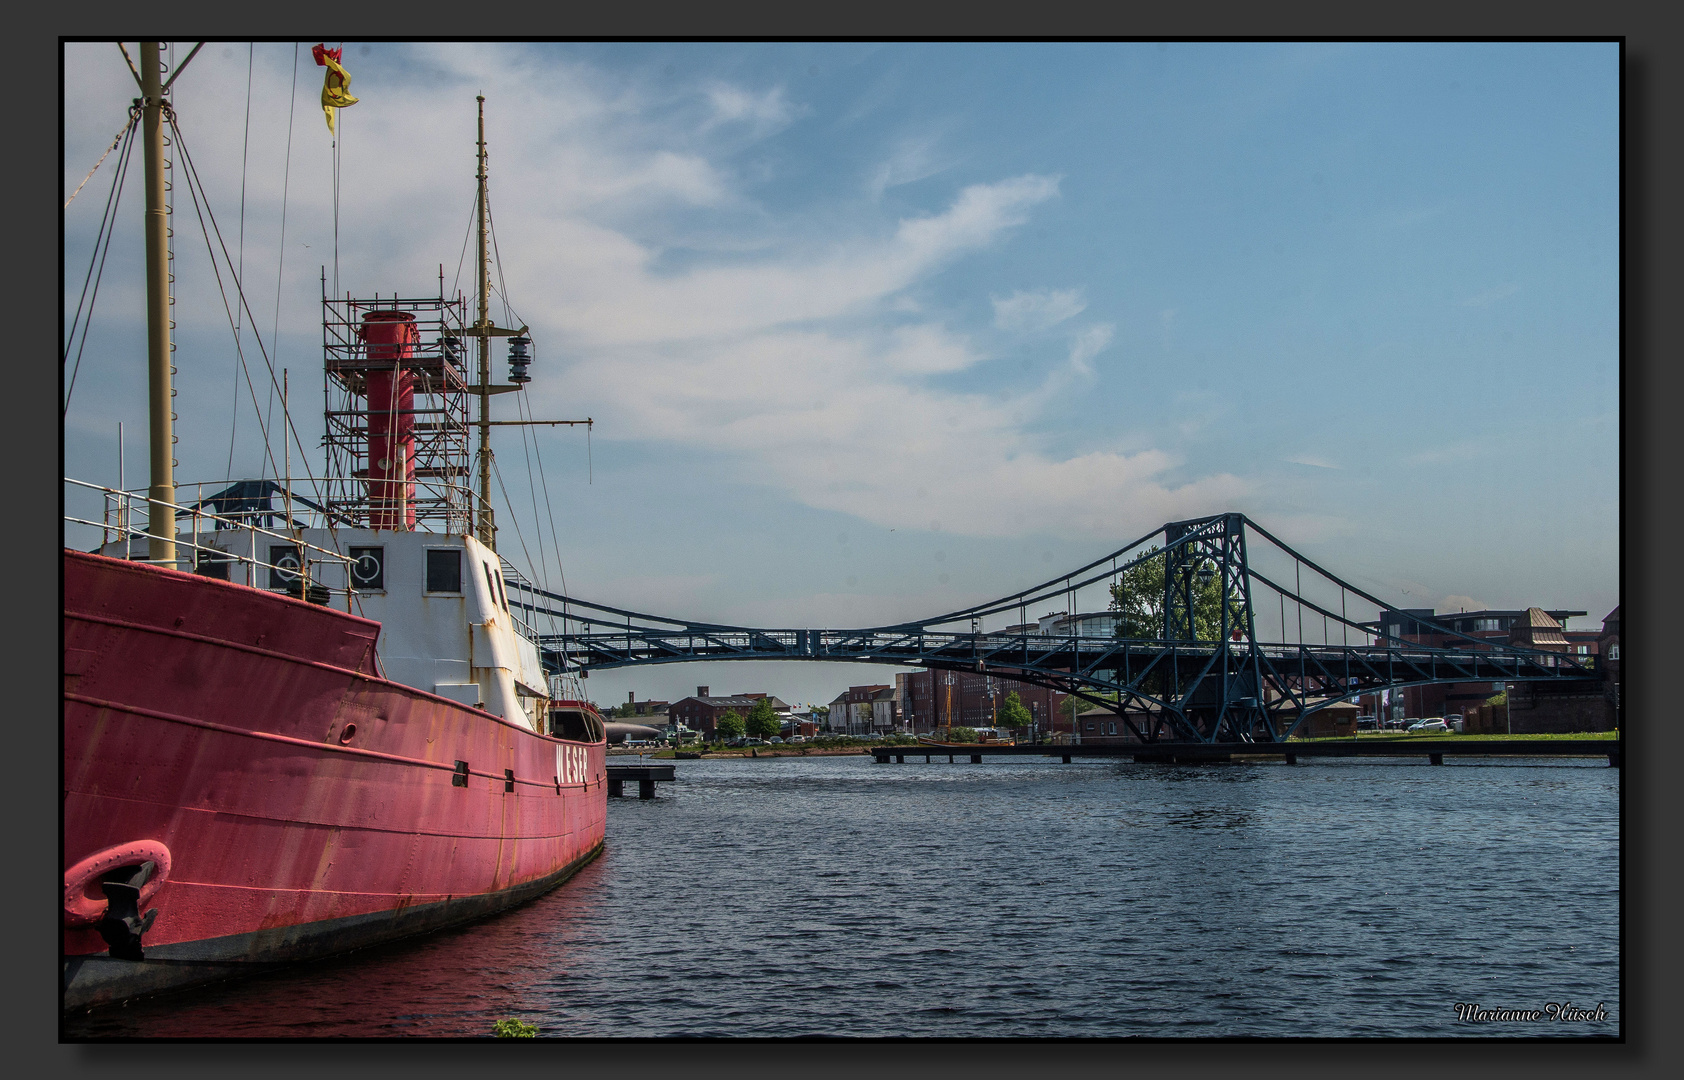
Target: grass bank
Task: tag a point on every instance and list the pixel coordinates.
(1401, 736)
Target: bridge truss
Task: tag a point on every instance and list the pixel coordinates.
(1187, 656)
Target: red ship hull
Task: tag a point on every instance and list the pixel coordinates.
(304, 805)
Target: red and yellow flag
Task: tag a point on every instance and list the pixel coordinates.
(334, 94)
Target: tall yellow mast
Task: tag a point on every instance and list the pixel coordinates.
(485, 330)
(160, 515)
(487, 525)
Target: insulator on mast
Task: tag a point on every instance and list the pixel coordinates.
(518, 360)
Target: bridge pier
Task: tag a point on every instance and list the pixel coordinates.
(976, 759)
(1067, 759)
(1292, 759)
(1436, 759)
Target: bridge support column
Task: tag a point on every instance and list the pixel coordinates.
(1067, 759)
(976, 759)
(616, 788)
(1292, 759)
(1436, 759)
(646, 789)
(900, 759)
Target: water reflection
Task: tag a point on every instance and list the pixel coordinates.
(836, 896)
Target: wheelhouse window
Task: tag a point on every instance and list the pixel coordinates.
(211, 564)
(368, 569)
(444, 570)
(284, 563)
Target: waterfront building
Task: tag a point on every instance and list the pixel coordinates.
(865, 710)
(1423, 626)
(937, 698)
(701, 711)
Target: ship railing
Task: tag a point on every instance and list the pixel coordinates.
(522, 586)
(286, 563)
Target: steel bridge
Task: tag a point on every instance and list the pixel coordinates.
(1186, 651)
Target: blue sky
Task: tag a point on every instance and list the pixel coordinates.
(874, 331)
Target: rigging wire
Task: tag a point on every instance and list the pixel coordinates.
(468, 234)
(106, 231)
(97, 164)
(194, 180)
(245, 158)
(280, 267)
(510, 506)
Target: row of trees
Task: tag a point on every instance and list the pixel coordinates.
(761, 722)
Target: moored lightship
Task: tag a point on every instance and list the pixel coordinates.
(294, 730)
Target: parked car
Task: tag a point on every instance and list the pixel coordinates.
(1434, 724)
(1410, 723)
(775, 739)
(796, 738)
(1367, 723)
(754, 742)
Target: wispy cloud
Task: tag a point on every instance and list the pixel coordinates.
(801, 352)
(1036, 310)
(766, 111)
(913, 159)
(1089, 344)
(1311, 460)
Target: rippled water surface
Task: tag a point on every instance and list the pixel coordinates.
(836, 896)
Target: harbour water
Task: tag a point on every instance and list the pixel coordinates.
(1021, 898)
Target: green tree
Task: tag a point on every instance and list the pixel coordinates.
(762, 720)
(1138, 598)
(730, 726)
(1014, 714)
(961, 735)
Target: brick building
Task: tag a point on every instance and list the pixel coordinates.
(938, 698)
(702, 711)
(1422, 626)
(865, 710)
(646, 708)
(1579, 705)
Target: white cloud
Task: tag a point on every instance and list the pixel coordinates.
(765, 112)
(804, 350)
(1089, 344)
(1036, 310)
(913, 160)
(1311, 460)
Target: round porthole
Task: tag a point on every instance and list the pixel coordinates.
(348, 734)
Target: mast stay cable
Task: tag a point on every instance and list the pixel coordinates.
(245, 157)
(106, 231)
(280, 266)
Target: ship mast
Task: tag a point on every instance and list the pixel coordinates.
(160, 515)
(486, 524)
(484, 329)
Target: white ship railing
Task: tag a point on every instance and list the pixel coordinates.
(123, 532)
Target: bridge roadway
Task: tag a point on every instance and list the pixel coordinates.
(1434, 750)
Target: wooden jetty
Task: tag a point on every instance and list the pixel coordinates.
(645, 775)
